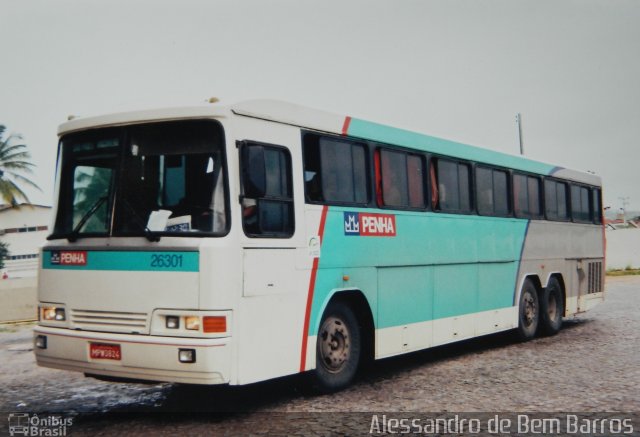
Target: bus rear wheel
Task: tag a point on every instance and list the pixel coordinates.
(338, 349)
(551, 308)
(528, 311)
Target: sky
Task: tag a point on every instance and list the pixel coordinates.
(456, 69)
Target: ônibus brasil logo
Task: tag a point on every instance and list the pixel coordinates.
(27, 424)
(69, 257)
(369, 224)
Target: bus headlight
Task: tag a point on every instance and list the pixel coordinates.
(172, 322)
(52, 313)
(189, 323)
(192, 323)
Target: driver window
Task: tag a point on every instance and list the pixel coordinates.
(271, 215)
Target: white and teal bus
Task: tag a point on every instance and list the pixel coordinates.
(230, 245)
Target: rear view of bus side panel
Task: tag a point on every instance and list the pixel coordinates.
(573, 253)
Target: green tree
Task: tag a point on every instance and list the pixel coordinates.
(4, 252)
(15, 166)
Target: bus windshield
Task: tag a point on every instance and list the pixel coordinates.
(148, 180)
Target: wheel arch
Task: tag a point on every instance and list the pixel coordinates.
(536, 283)
(356, 300)
(563, 287)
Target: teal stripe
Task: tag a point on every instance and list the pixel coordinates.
(437, 266)
(130, 261)
(385, 134)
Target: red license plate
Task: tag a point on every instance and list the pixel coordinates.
(101, 351)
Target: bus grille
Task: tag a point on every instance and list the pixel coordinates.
(110, 321)
(595, 277)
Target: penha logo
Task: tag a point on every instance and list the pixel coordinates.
(69, 258)
(369, 224)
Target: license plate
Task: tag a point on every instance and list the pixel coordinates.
(101, 351)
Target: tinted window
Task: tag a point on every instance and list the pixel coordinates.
(277, 173)
(597, 206)
(492, 191)
(415, 174)
(580, 204)
(555, 200)
(402, 179)
(272, 214)
(526, 193)
(335, 171)
(174, 167)
(165, 178)
(453, 186)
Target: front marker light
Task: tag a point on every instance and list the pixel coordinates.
(41, 341)
(60, 315)
(53, 313)
(187, 355)
(192, 323)
(172, 322)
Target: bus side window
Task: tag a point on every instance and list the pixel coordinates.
(454, 194)
(267, 201)
(402, 179)
(335, 171)
(526, 196)
(597, 206)
(492, 191)
(556, 200)
(434, 186)
(581, 204)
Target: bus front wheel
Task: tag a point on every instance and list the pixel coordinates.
(528, 312)
(338, 349)
(551, 308)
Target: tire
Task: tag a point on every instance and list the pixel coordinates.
(528, 311)
(338, 349)
(551, 308)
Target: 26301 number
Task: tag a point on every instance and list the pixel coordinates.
(166, 261)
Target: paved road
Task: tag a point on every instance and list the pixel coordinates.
(592, 365)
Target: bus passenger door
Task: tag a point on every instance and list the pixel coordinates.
(271, 291)
(267, 218)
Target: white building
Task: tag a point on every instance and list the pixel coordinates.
(25, 229)
(623, 248)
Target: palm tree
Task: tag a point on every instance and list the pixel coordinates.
(91, 184)
(4, 252)
(14, 166)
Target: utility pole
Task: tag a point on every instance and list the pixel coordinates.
(519, 123)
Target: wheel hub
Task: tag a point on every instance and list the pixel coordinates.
(335, 343)
(529, 309)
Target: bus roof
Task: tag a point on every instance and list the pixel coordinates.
(300, 116)
(149, 115)
(288, 113)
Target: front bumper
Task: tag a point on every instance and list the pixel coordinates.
(145, 357)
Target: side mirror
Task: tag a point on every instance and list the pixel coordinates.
(254, 179)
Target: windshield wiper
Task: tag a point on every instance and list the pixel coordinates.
(73, 236)
(148, 233)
